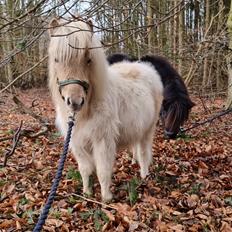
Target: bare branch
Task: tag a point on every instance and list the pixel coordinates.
(9, 153)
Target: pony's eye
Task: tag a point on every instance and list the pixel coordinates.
(56, 60)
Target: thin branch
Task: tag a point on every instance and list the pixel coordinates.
(6, 138)
(110, 207)
(94, 201)
(197, 124)
(23, 15)
(25, 110)
(28, 133)
(9, 153)
(21, 75)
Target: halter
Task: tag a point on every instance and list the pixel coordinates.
(169, 133)
(83, 84)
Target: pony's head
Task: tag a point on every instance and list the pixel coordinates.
(70, 61)
(175, 109)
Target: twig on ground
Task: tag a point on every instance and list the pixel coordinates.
(45, 126)
(197, 124)
(6, 138)
(25, 110)
(33, 103)
(94, 201)
(109, 206)
(28, 133)
(15, 142)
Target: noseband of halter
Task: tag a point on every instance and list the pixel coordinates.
(169, 133)
(83, 84)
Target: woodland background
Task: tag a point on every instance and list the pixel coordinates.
(189, 188)
(192, 34)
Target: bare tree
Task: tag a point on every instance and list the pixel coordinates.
(229, 59)
(190, 33)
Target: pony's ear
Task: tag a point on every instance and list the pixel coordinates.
(53, 26)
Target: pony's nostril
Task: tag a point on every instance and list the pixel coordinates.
(82, 101)
(75, 105)
(68, 101)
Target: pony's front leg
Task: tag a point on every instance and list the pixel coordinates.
(86, 167)
(136, 150)
(104, 155)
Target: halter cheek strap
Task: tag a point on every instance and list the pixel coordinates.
(84, 84)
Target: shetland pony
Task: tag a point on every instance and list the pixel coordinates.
(116, 106)
(176, 104)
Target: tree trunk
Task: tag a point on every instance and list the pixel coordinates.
(219, 59)
(205, 67)
(175, 26)
(196, 19)
(180, 41)
(150, 21)
(229, 60)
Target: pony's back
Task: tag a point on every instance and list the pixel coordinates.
(164, 68)
(119, 57)
(172, 81)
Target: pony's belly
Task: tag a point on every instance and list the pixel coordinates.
(130, 136)
(136, 122)
(124, 143)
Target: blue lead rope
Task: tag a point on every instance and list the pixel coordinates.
(44, 214)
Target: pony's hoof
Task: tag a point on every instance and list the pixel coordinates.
(144, 174)
(87, 193)
(107, 198)
(133, 161)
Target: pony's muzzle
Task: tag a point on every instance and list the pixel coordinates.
(169, 135)
(76, 104)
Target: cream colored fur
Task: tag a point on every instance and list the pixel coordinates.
(121, 108)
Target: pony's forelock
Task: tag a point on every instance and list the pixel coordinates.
(66, 46)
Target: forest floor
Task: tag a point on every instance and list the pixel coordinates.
(189, 188)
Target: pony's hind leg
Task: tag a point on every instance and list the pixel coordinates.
(144, 155)
(104, 158)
